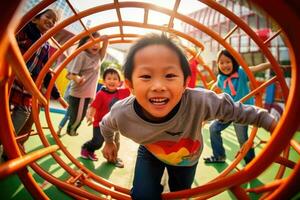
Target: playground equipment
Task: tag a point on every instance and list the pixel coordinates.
(12, 63)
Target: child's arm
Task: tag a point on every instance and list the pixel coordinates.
(90, 115)
(102, 51)
(260, 67)
(63, 102)
(75, 77)
(273, 126)
(224, 108)
(110, 151)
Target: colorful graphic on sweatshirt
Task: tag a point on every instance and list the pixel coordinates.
(181, 153)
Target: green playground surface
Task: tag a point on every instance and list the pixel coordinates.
(12, 188)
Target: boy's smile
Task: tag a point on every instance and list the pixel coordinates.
(157, 80)
(112, 82)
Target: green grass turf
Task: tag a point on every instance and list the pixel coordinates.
(15, 190)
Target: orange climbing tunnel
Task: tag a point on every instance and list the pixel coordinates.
(12, 64)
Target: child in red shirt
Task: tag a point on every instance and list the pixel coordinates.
(105, 98)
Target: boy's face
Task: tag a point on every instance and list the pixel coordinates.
(225, 65)
(46, 21)
(111, 81)
(157, 80)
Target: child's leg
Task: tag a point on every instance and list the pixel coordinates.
(88, 149)
(96, 142)
(147, 176)
(181, 178)
(215, 138)
(242, 136)
(64, 120)
(78, 108)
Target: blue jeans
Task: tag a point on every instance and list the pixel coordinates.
(149, 171)
(241, 132)
(64, 120)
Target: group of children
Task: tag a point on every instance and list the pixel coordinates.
(162, 114)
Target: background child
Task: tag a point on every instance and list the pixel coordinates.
(233, 80)
(105, 98)
(165, 117)
(83, 72)
(20, 98)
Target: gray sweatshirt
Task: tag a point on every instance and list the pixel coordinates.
(178, 141)
(88, 66)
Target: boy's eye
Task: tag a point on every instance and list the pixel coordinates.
(145, 76)
(171, 75)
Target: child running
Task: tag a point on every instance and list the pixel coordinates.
(233, 80)
(165, 117)
(83, 72)
(109, 94)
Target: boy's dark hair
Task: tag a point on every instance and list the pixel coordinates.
(83, 40)
(235, 65)
(155, 39)
(110, 70)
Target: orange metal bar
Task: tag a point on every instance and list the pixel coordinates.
(230, 32)
(286, 162)
(266, 188)
(75, 13)
(171, 21)
(116, 2)
(16, 164)
(239, 193)
(295, 145)
(8, 141)
(146, 12)
(14, 57)
(259, 89)
(278, 140)
(289, 187)
(273, 36)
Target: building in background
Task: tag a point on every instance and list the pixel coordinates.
(240, 41)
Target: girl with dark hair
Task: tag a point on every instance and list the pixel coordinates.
(232, 80)
(83, 72)
(165, 117)
(20, 98)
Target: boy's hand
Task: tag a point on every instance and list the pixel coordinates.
(109, 152)
(90, 113)
(89, 120)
